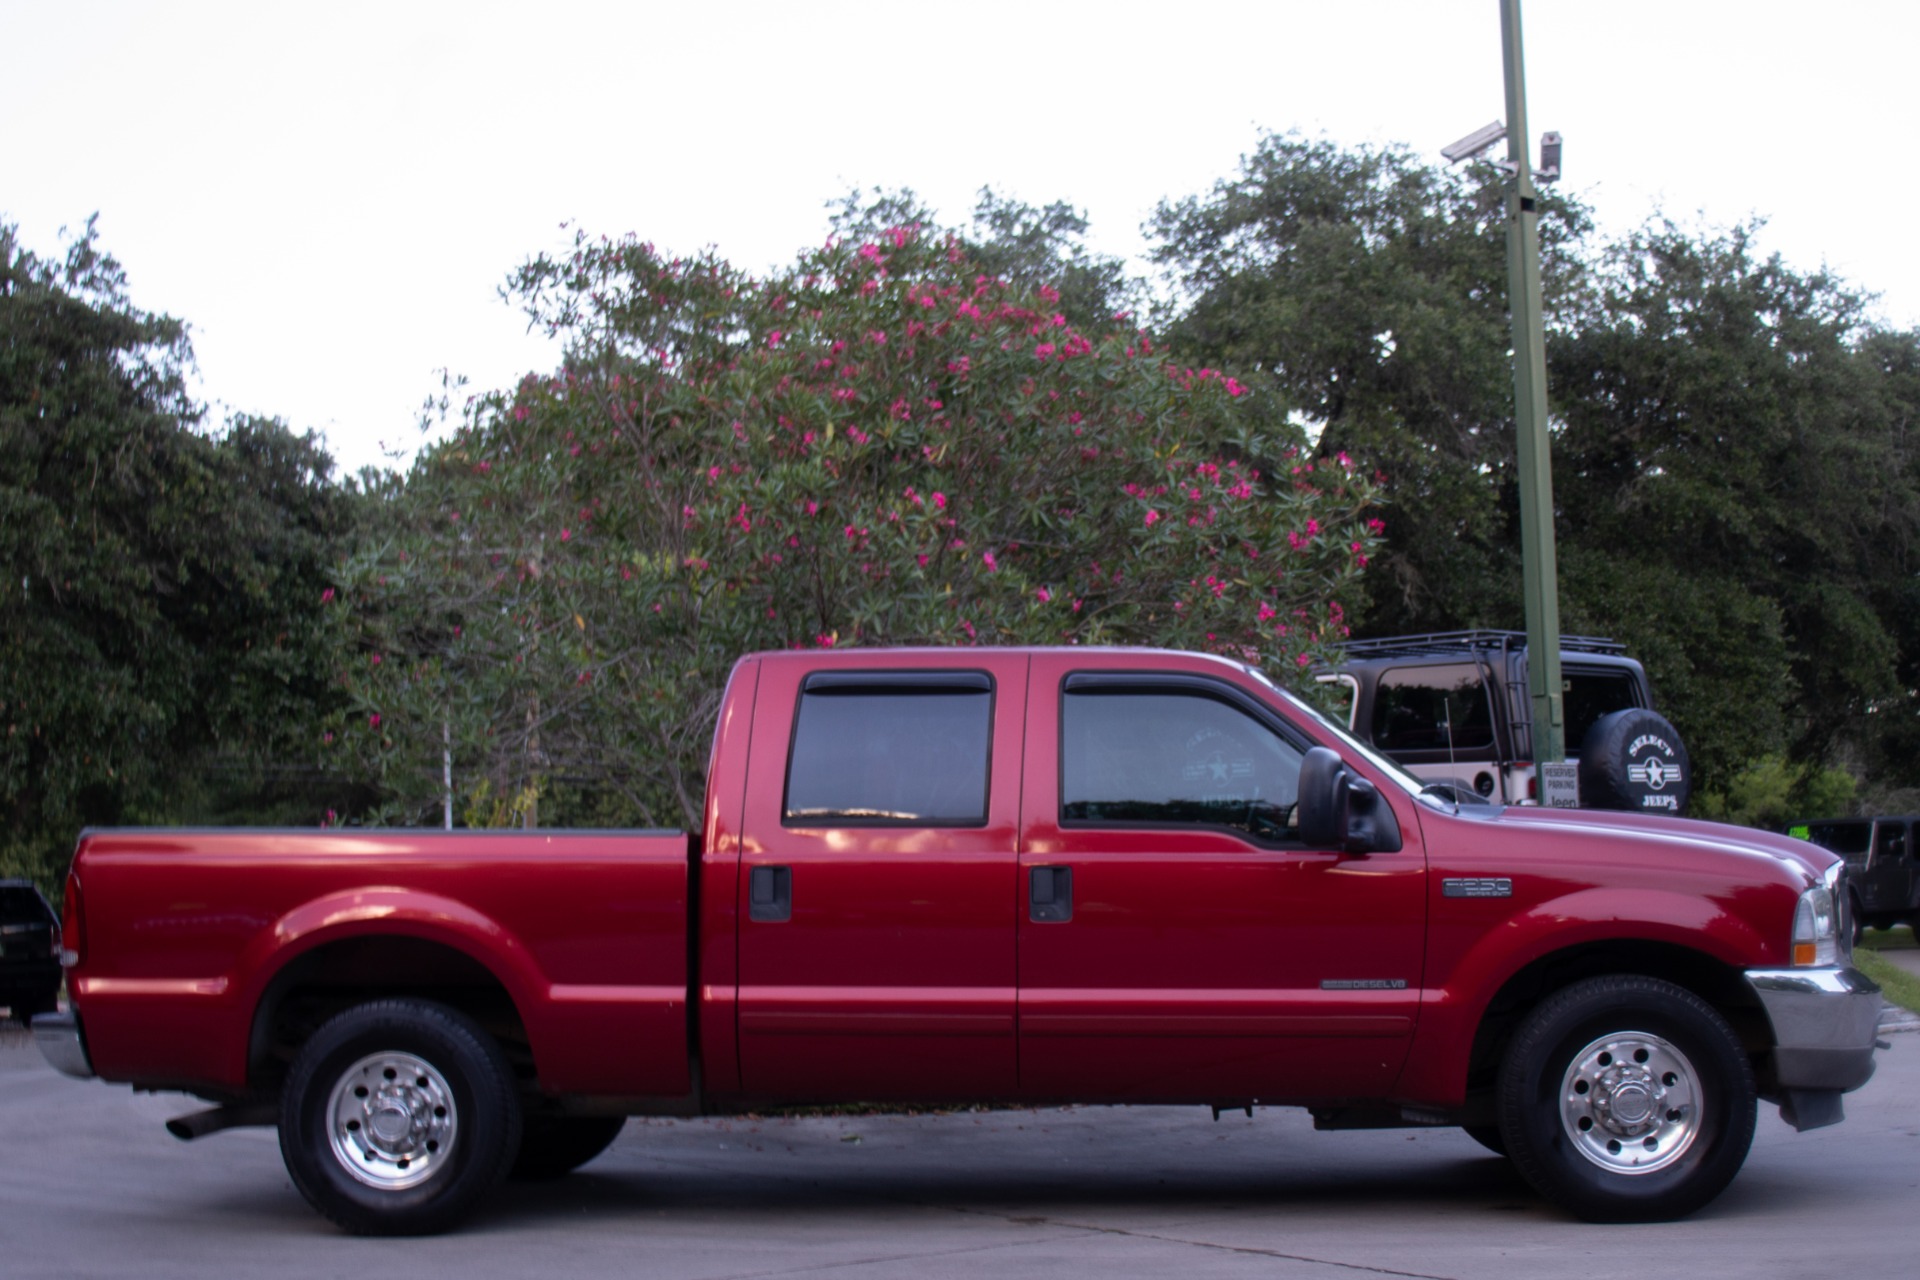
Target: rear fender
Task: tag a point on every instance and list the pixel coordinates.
(394, 912)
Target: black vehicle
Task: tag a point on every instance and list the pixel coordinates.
(1454, 708)
(1883, 866)
(29, 951)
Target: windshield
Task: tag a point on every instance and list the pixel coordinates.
(1406, 781)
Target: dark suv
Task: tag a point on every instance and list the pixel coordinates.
(1883, 866)
(29, 951)
(1453, 707)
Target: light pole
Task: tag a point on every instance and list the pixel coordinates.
(1540, 578)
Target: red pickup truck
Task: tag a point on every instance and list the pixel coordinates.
(981, 875)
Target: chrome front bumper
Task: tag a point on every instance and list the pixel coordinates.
(63, 1044)
(1825, 1022)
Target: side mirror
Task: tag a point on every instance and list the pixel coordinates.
(1343, 812)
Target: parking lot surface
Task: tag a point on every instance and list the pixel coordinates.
(92, 1186)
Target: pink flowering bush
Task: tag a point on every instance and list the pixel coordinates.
(878, 445)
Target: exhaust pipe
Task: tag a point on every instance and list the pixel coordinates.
(237, 1115)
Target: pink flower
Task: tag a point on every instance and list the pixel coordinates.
(987, 558)
(1303, 661)
(373, 721)
(1153, 518)
(1234, 388)
(1043, 595)
(1042, 351)
(326, 596)
(939, 501)
(376, 659)
(825, 641)
(566, 535)
(773, 339)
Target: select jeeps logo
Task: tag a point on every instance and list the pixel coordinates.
(1652, 762)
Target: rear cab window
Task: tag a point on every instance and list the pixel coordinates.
(890, 749)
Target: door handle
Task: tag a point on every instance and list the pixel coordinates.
(1050, 895)
(770, 894)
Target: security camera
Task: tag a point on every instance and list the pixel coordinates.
(1549, 157)
(1474, 143)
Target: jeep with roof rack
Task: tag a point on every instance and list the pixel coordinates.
(1453, 707)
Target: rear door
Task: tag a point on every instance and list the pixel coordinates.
(1178, 941)
(878, 879)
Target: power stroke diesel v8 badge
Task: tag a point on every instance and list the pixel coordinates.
(1477, 887)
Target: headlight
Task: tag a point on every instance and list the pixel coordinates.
(1818, 935)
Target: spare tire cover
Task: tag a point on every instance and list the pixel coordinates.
(1634, 759)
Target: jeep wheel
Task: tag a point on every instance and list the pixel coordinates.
(1634, 759)
(1627, 1099)
(397, 1117)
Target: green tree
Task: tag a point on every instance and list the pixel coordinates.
(159, 611)
(1367, 290)
(881, 444)
(1723, 480)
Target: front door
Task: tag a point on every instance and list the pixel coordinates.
(1179, 942)
(877, 886)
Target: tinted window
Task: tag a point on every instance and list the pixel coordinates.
(1890, 841)
(890, 754)
(1436, 708)
(1592, 694)
(1841, 837)
(1158, 758)
(18, 904)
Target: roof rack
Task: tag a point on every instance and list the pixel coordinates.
(1443, 642)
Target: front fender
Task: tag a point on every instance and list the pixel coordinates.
(1457, 996)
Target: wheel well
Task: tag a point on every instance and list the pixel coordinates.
(1719, 984)
(336, 976)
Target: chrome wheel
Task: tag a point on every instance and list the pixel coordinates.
(1630, 1103)
(391, 1120)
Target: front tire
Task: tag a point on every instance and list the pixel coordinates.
(398, 1116)
(1627, 1099)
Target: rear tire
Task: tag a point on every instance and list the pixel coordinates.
(398, 1116)
(1627, 1099)
(554, 1146)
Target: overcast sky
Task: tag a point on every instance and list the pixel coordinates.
(331, 194)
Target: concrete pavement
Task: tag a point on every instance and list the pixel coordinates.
(91, 1186)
